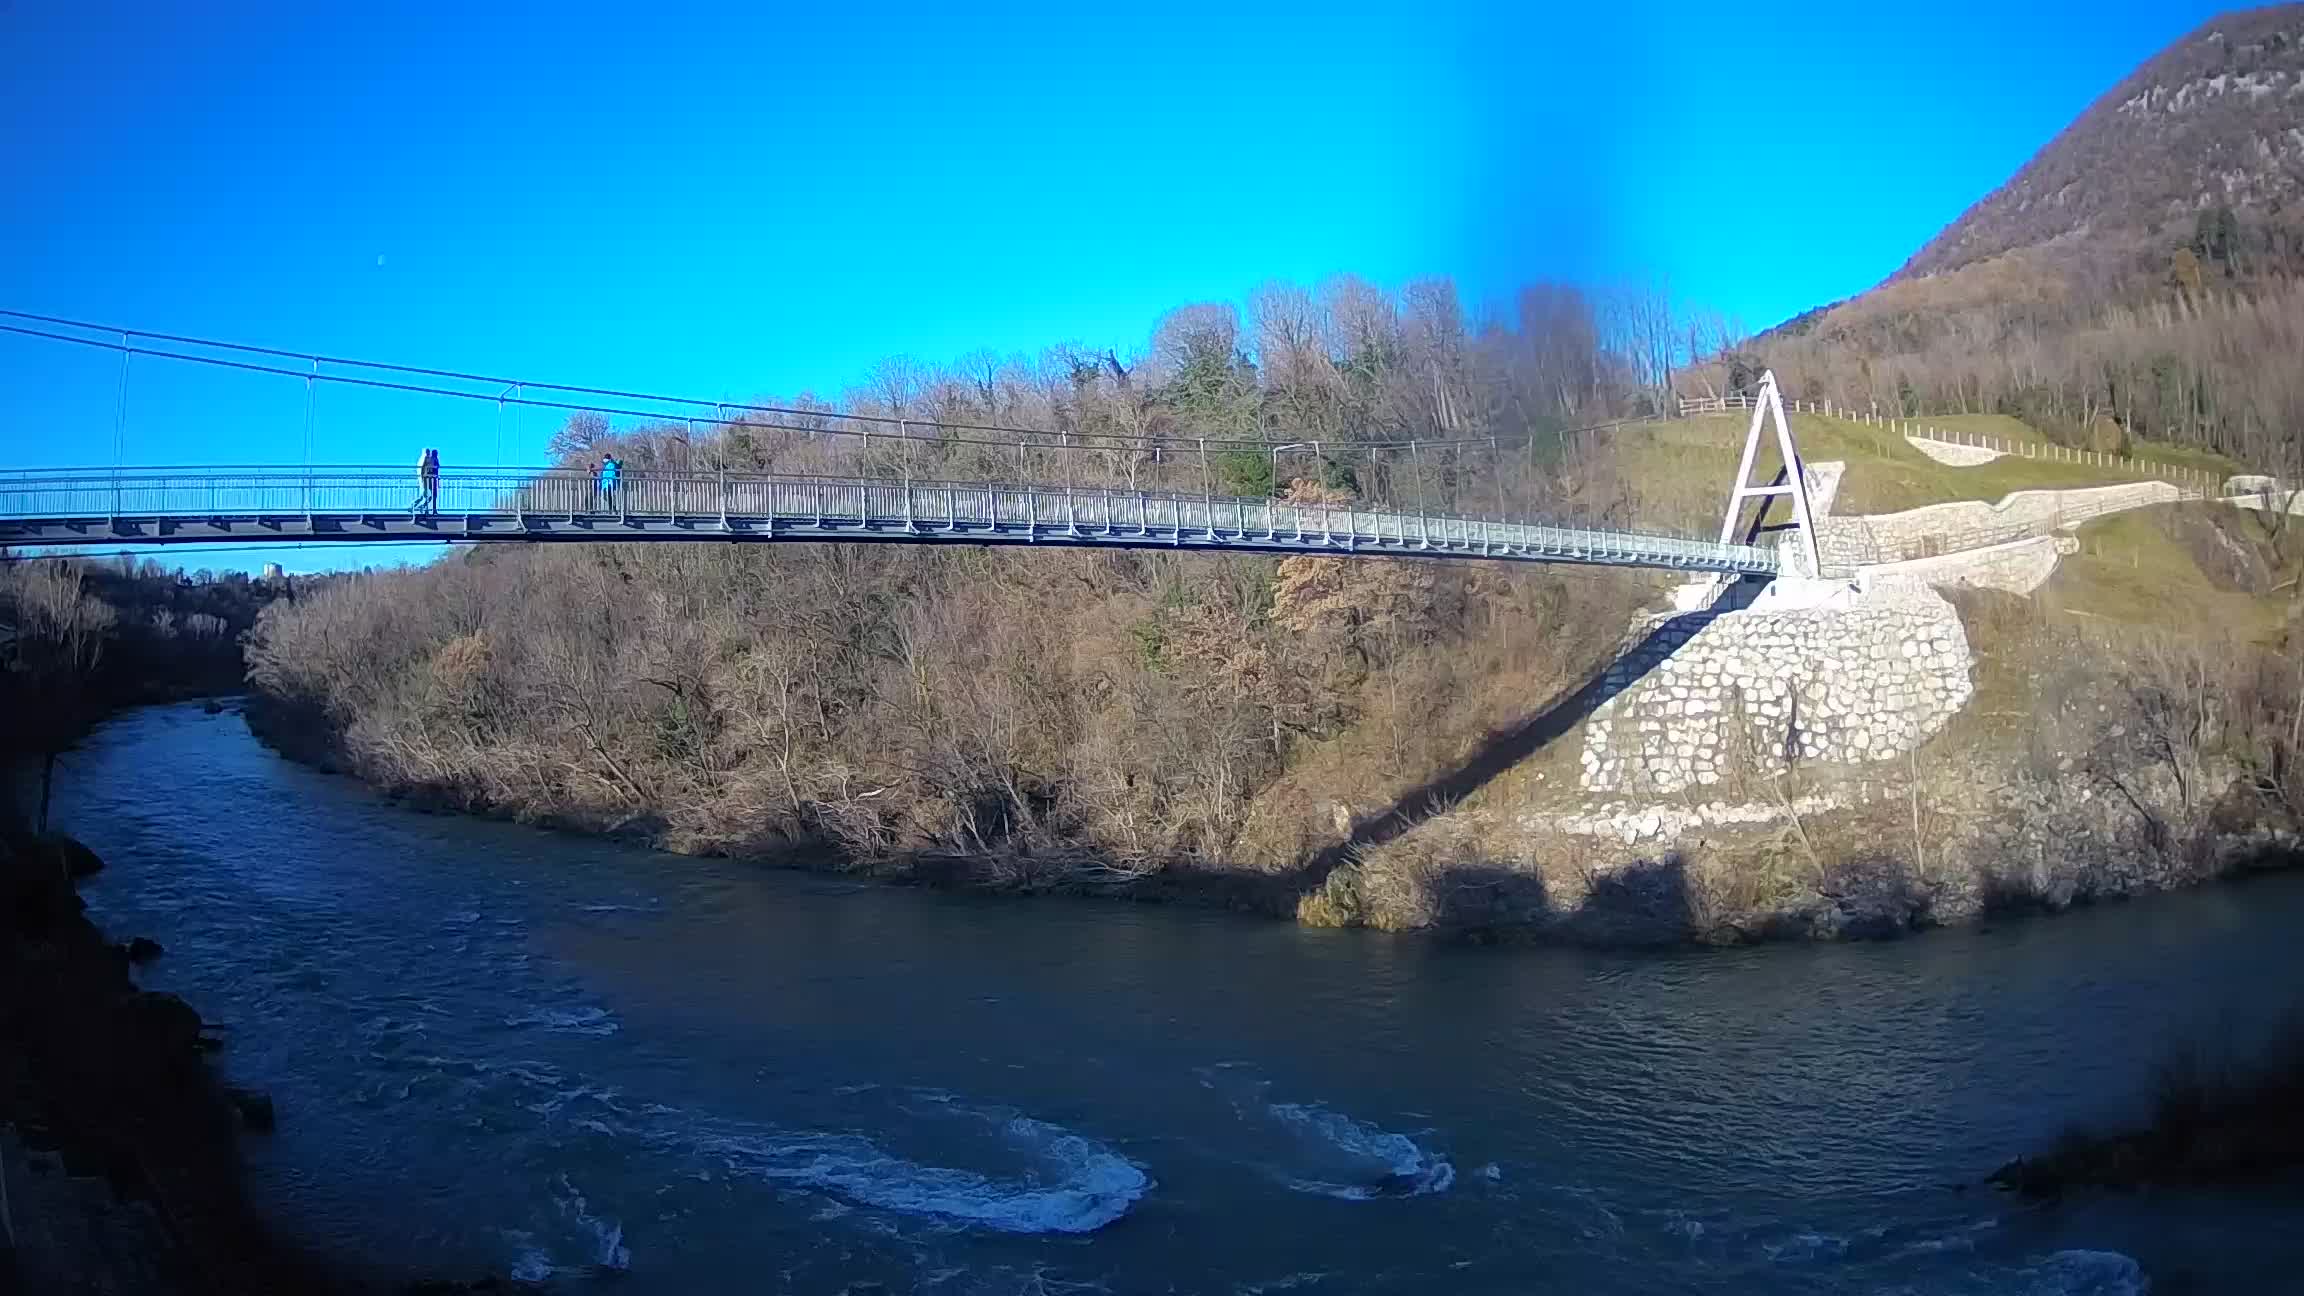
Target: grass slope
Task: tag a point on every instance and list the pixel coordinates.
(1681, 468)
(2179, 566)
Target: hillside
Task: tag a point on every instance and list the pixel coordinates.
(2140, 280)
(2214, 121)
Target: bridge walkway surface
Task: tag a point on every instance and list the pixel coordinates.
(143, 506)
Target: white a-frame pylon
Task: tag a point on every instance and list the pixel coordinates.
(1769, 406)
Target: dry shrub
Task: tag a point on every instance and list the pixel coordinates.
(1136, 708)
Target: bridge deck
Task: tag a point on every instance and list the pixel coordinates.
(163, 506)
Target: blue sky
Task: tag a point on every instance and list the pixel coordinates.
(750, 200)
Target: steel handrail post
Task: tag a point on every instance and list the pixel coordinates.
(120, 425)
(311, 399)
(1071, 519)
(1496, 466)
(1207, 492)
(904, 470)
(1423, 518)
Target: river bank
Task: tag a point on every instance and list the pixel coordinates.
(2215, 1121)
(120, 1157)
(557, 1056)
(107, 1083)
(2004, 841)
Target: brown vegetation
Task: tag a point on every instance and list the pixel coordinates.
(1155, 723)
(2215, 1121)
(81, 638)
(2098, 758)
(1147, 708)
(2213, 370)
(1124, 712)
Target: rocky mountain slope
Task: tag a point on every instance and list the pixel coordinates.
(2214, 121)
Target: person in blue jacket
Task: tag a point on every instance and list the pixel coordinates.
(427, 484)
(608, 471)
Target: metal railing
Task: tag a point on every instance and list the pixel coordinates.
(93, 506)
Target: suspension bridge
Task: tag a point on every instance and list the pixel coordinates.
(125, 504)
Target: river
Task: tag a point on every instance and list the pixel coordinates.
(501, 1049)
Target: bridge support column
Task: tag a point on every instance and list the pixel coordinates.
(1768, 406)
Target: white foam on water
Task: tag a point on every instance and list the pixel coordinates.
(1067, 1183)
(533, 1264)
(385, 1033)
(1328, 1153)
(1211, 1074)
(1962, 1240)
(608, 1251)
(568, 1021)
(493, 1090)
(1289, 1282)
(2087, 1273)
(1574, 1206)
(597, 1245)
(1004, 1280)
(1017, 1174)
(1803, 1247)
(599, 1097)
(1381, 1163)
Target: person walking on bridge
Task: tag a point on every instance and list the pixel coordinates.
(427, 484)
(609, 471)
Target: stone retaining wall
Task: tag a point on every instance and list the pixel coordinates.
(1706, 694)
(2273, 502)
(1972, 524)
(1632, 823)
(2018, 567)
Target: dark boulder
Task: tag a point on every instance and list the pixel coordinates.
(36, 897)
(255, 1108)
(142, 949)
(164, 1025)
(641, 829)
(78, 861)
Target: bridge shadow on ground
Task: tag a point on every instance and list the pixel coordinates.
(1863, 895)
(1647, 902)
(1503, 749)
